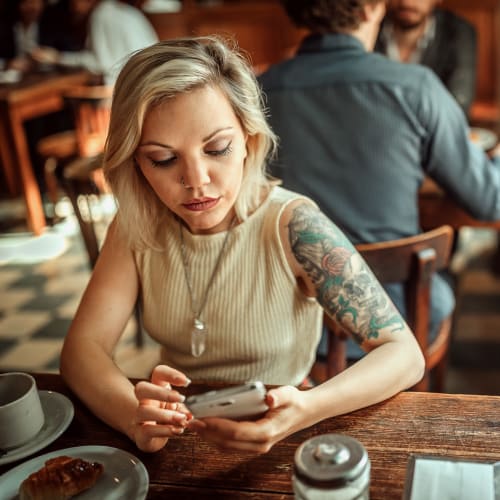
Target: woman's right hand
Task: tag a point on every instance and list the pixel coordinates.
(160, 413)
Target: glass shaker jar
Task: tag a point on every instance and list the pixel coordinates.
(333, 467)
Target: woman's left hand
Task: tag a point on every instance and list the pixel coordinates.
(287, 407)
(160, 413)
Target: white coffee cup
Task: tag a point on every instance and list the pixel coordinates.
(21, 413)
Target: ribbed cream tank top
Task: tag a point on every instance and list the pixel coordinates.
(260, 325)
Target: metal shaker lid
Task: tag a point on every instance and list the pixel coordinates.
(330, 460)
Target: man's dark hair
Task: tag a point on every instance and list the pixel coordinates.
(326, 16)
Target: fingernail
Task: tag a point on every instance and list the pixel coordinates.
(182, 398)
(182, 381)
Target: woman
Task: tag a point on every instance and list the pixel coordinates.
(232, 272)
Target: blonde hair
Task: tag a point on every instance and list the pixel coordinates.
(161, 72)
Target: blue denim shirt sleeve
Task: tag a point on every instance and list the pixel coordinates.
(458, 165)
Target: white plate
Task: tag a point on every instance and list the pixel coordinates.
(10, 76)
(483, 137)
(59, 411)
(124, 476)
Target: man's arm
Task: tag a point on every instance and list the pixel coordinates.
(460, 167)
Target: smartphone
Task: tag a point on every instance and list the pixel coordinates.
(243, 401)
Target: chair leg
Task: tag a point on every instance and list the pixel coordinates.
(336, 358)
(51, 181)
(337, 353)
(86, 227)
(439, 374)
(139, 336)
(423, 385)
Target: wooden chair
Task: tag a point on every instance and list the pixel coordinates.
(83, 182)
(412, 261)
(90, 106)
(81, 177)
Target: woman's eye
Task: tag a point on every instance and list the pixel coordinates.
(221, 152)
(162, 163)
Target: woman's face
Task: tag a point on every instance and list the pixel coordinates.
(192, 152)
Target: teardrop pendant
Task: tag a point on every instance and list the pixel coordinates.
(198, 337)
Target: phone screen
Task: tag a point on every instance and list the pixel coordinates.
(233, 402)
(221, 393)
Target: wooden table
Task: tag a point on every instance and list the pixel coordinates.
(436, 424)
(35, 95)
(437, 208)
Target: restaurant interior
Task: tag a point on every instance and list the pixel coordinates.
(46, 258)
(53, 222)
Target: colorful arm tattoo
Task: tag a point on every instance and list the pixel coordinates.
(345, 286)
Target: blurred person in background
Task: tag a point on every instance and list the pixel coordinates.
(417, 31)
(20, 33)
(64, 25)
(116, 29)
(27, 24)
(359, 133)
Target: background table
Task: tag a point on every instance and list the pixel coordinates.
(425, 423)
(437, 208)
(35, 95)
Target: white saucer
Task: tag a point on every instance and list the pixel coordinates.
(10, 76)
(124, 476)
(59, 411)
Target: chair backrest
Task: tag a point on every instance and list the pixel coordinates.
(411, 261)
(82, 178)
(91, 107)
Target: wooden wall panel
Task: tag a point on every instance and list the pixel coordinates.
(264, 31)
(485, 16)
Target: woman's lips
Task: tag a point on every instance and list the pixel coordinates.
(198, 205)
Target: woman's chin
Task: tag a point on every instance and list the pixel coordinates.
(206, 223)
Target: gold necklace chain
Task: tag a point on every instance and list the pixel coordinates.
(200, 330)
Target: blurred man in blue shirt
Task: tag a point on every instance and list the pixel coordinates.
(359, 133)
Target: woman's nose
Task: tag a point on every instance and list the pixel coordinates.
(195, 174)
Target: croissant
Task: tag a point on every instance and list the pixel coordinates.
(60, 478)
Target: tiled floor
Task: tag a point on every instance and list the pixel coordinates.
(38, 300)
